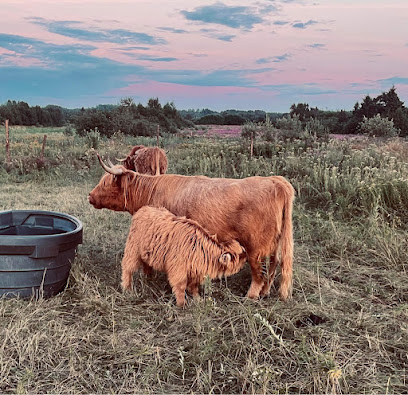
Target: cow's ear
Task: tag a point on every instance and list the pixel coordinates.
(225, 259)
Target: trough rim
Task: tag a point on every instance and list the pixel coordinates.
(24, 238)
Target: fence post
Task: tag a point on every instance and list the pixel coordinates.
(252, 145)
(43, 147)
(8, 166)
(158, 135)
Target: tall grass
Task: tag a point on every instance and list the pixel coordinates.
(344, 332)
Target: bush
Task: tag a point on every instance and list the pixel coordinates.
(270, 133)
(290, 127)
(93, 138)
(378, 126)
(249, 130)
(315, 128)
(69, 130)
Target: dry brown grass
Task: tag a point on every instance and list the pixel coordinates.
(345, 331)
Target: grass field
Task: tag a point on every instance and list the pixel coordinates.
(345, 331)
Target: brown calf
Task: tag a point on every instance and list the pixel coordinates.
(179, 247)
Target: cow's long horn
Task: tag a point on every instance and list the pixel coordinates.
(111, 170)
(121, 160)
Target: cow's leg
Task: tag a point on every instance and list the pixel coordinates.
(257, 277)
(192, 289)
(270, 275)
(178, 285)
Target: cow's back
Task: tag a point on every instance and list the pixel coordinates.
(248, 210)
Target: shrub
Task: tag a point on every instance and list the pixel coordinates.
(290, 127)
(69, 130)
(315, 128)
(249, 130)
(93, 138)
(270, 133)
(378, 126)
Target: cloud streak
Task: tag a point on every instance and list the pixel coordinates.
(304, 25)
(236, 17)
(77, 30)
(274, 59)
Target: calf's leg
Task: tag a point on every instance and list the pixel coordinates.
(131, 262)
(178, 284)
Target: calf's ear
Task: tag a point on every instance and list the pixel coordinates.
(225, 259)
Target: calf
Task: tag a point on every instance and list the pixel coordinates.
(179, 247)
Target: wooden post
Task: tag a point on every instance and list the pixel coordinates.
(6, 123)
(43, 147)
(252, 145)
(158, 135)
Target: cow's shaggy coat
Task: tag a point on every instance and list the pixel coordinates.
(256, 211)
(146, 160)
(179, 247)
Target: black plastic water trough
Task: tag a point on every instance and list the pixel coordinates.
(36, 252)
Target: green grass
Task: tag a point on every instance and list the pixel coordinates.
(345, 331)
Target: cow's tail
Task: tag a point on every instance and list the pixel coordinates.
(286, 243)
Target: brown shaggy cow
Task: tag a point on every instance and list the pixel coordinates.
(181, 248)
(146, 160)
(255, 211)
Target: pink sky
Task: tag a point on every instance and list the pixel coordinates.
(227, 54)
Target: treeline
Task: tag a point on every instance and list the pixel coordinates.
(386, 109)
(229, 117)
(385, 114)
(127, 117)
(130, 118)
(20, 113)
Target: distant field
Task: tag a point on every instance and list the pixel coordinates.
(22, 130)
(345, 331)
(219, 130)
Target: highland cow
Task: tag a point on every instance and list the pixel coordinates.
(181, 248)
(146, 160)
(255, 211)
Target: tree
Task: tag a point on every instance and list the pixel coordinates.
(387, 104)
(401, 121)
(390, 102)
(126, 102)
(302, 110)
(154, 103)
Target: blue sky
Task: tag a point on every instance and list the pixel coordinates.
(264, 54)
